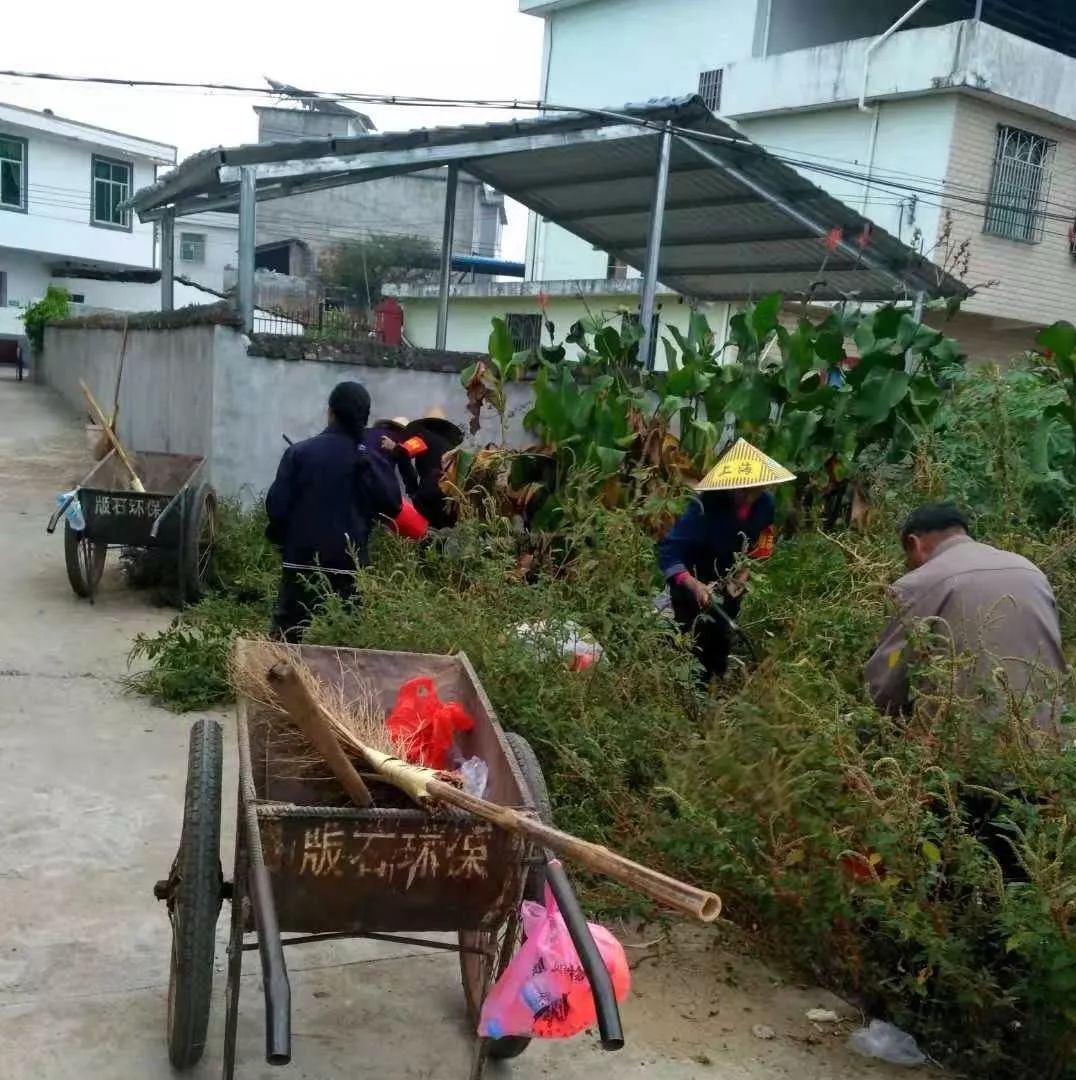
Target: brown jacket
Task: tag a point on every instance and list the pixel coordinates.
(993, 605)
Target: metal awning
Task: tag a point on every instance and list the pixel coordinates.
(733, 221)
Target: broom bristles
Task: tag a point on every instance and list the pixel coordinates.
(356, 718)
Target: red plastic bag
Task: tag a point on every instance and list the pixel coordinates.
(544, 992)
(424, 725)
(409, 523)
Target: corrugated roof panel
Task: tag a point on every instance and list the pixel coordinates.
(739, 220)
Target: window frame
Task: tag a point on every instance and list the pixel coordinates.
(203, 241)
(24, 187)
(1003, 215)
(711, 84)
(94, 220)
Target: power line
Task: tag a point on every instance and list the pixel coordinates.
(883, 179)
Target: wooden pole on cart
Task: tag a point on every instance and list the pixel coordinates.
(422, 784)
(102, 447)
(99, 417)
(314, 724)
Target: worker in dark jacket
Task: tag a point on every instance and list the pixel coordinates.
(325, 499)
(427, 440)
(732, 516)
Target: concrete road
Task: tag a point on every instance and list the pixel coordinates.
(91, 789)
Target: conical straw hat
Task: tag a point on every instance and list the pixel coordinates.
(744, 466)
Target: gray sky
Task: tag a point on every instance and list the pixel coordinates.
(442, 48)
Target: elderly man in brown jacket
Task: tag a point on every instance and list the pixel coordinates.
(992, 605)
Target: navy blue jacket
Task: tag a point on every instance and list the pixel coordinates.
(325, 500)
(392, 465)
(708, 536)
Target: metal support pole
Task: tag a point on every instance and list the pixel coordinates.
(446, 255)
(978, 10)
(168, 260)
(247, 196)
(653, 248)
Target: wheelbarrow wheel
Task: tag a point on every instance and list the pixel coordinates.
(200, 543)
(478, 971)
(194, 891)
(85, 562)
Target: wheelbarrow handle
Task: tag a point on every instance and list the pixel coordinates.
(50, 528)
(601, 985)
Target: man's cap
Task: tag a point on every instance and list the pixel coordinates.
(744, 466)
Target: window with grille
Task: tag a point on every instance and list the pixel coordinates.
(12, 173)
(192, 247)
(710, 88)
(1020, 185)
(111, 186)
(526, 331)
(615, 270)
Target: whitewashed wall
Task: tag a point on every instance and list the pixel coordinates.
(470, 317)
(57, 221)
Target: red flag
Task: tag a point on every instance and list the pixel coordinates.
(834, 238)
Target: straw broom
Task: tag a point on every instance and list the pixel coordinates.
(295, 690)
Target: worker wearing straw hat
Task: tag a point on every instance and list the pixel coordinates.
(732, 516)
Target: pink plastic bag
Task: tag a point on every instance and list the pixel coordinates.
(544, 992)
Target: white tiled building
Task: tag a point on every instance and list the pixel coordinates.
(971, 115)
(61, 185)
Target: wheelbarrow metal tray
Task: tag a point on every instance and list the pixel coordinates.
(338, 868)
(116, 515)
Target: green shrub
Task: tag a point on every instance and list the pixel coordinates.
(188, 662)
(925, 866)
(53, 305)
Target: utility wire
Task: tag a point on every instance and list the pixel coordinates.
(943, 190)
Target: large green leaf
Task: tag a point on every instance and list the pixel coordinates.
(881, 392)
(751, 400)
(671, 362)
(923, 391)
(797, 430)
(699, 333)
(1060, 338)
(1040, 447)
(830, 347)
(501, 348)
(764, 315)
(607, 342)
(608, 460)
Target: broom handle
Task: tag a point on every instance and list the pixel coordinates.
(666, 890)
(312, 720)
(99, 417)
(313, 723)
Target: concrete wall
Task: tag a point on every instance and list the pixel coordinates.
(257, 399)
(914, 137)
(166, 396)
(1036, 282)
(195, 390)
